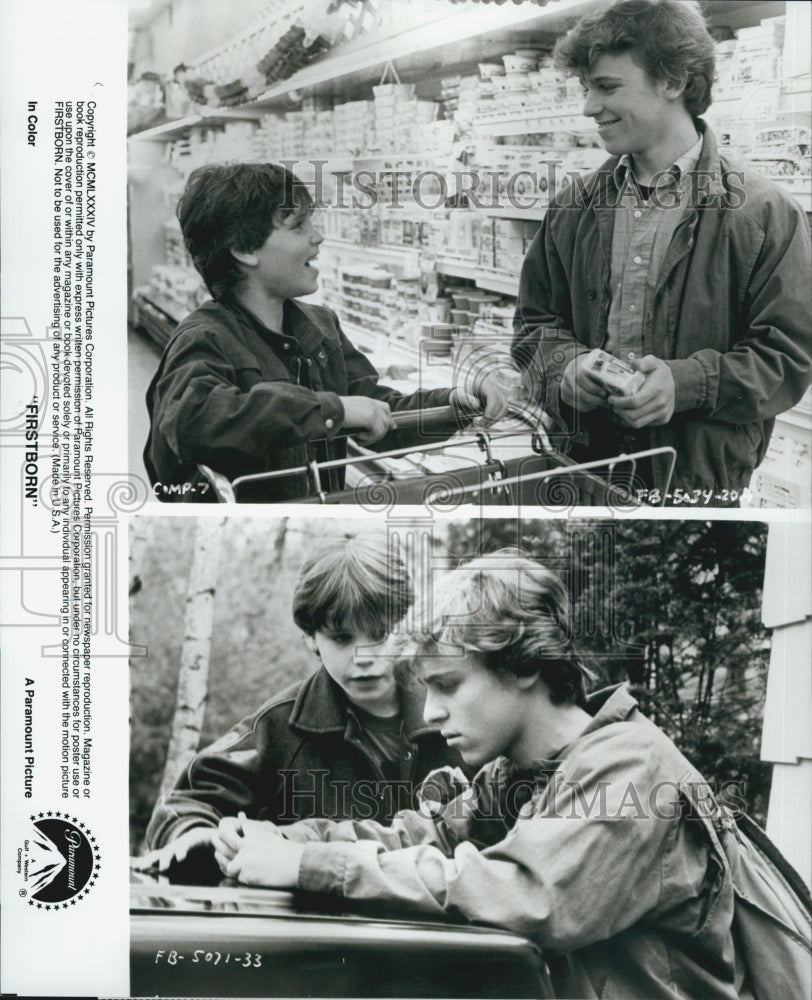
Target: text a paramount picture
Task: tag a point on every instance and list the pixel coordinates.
(469, 290)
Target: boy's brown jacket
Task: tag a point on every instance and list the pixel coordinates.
(297, 757)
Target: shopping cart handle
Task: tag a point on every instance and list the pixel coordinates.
(433, 416)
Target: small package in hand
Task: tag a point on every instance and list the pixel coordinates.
(613, 374)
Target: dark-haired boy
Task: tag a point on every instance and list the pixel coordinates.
(254, 381)
(690, 268)
(585, 830)
(346, 742)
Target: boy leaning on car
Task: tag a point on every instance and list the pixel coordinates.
(585, 829)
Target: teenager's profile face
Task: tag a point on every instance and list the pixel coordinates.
(634, 113)
(355, 662)
(478, 713)
(284, 263)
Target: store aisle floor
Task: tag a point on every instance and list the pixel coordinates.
(142, 365)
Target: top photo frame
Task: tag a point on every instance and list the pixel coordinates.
(548, 275)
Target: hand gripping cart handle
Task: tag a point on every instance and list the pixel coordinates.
(505, 467)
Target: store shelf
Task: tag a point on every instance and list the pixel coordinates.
(395, 255)
(490, 281)
(535, 214)
(173, 311)
(767, 101)
(397, 352)
(214, 116)
(444, 37)
(523, 124)
(415, 160)
(448, 38)
(456, 268)
(494, 281)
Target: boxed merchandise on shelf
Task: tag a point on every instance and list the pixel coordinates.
(759, 52)
(782, 479)
(454, 232)
(504, 242)
(233, 140)
(784, 153)
(375, 299)
(174, 249)
(768, 34)
(351, 122)
(752, 59)
(177, 290)
(399, 118)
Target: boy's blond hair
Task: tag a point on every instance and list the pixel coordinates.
(514, 613)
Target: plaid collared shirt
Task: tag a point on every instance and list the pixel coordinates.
(642, 233)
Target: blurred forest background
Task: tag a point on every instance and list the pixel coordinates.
(673, 607)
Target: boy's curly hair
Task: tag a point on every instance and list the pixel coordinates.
(667, 38)
(514, 613)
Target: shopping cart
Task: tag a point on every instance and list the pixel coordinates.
(510, 464)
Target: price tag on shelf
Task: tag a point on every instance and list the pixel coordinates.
(760, 103)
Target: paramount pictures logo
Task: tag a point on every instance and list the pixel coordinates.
(59, 861)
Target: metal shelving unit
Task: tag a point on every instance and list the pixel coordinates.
(180, 126)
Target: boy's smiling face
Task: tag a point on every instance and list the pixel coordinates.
(355, 662)
(283, 267)
(634, 113)
(478, 713)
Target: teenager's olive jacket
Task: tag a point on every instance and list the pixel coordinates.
(233, 395)
(731, 314)
(607, 857)
(299, 756)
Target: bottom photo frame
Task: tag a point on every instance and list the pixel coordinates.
(466, 757)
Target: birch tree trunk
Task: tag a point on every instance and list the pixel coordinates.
(194, 661)
(138, 542)
(279, 541)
